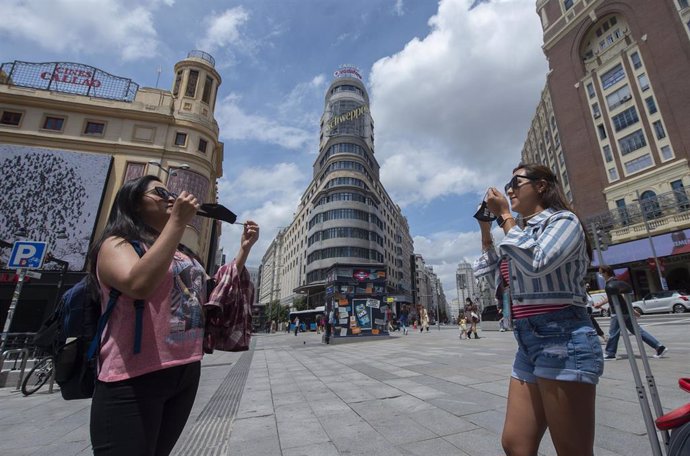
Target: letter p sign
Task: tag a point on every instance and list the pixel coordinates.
(27, 254)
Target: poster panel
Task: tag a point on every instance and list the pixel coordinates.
(54, 195)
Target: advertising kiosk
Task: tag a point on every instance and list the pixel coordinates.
(356, 301)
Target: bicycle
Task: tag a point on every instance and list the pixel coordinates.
(42, 371)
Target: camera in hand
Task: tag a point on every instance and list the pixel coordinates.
(483, 213)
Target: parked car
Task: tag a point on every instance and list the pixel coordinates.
(599, 296)
(663, 301)
(490, 313)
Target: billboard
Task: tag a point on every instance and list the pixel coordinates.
(54, 195)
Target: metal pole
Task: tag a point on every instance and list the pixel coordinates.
(662, 281)
(600, 256)
(13, 304)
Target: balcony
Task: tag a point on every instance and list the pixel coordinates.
(664, 212)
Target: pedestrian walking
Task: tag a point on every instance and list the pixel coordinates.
(296, 325)
(595, 324)
(615, 330)
(462, 327)
(559, 360)
(472, 318)
(142, 400)
(424, 320)
(403, 319)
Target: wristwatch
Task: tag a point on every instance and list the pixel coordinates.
(501, 219)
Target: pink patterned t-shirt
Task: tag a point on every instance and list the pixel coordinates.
(173, 325)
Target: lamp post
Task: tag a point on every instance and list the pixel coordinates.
(169, 170)
(63, 270)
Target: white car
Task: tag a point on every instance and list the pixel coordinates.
(663, 301)
(599, 296)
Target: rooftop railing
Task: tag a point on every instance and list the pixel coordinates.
(203, 56)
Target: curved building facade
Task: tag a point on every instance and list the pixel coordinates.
(345, 216)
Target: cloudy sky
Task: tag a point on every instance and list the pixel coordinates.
(454, 85)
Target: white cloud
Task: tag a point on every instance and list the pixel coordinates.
(266, 195)
(452, 109)
(236, 124)
(295, 106)
(223, 29)
(399, 8)
(123, 28)
(444, 250)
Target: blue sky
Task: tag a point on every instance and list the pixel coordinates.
(453, 90)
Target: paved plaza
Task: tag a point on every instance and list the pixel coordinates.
(419, 394)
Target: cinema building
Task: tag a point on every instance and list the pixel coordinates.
(347, 235)
(613, 125)
(70, 136)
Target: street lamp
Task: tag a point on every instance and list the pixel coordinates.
(169, 170)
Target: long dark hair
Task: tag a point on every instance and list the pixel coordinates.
(553, 196)
(125, 220)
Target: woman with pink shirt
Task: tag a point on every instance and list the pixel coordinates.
(142, 400)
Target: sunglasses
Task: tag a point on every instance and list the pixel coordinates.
(514, 183)
(163, 193)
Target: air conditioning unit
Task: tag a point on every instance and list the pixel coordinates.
(626, 98)
(597, 115)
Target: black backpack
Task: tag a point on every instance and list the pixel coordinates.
(78, 327)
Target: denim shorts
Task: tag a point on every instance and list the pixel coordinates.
(560, 345)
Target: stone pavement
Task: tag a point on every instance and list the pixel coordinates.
(420, 394)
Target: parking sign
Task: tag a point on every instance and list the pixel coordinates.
(28, 255)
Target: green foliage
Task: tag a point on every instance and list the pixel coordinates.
(300, 303)
(275, 311)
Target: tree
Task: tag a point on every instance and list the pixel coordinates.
(275, 311)
(300, 303)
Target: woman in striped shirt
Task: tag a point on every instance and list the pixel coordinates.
(543, 261)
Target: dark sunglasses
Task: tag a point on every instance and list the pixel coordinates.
(163, 193)
(514, 183)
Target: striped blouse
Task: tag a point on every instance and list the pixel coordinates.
(547, 261)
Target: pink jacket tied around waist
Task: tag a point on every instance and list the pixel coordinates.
(229, 311)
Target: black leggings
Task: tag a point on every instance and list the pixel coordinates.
(143, 415)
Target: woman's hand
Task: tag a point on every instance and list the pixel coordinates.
(497, 202)
(250, 235)
(185, 208)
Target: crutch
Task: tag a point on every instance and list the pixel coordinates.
(616, 289)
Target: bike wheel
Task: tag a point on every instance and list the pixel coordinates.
(38, 376)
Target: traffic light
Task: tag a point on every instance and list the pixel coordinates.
(603, 239)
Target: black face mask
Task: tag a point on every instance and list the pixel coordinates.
(483, 214)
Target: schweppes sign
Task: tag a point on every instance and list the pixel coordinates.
(355, 113)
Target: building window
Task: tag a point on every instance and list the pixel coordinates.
(178, 81)
(608, 157)
(635, 59)
(618, 97)
(622, 211)
(638, 164)
(206, 94)
(659, 129)
(632, 142)
(547, 137)
(651, 105)
(180, 139)
(567, 4)
(11, 118)
(202, 145)
(94, 128)
(612, 76)
(625, 119)
(595, 110)
(556, 140)
(680, 195)
(666, 153)
(53, 123)
(602, 131)
(683, 3)
(650, 204)
(644, 82)
(590, 90)
(191, 83)
(613, 174)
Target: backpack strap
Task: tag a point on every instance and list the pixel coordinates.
(138, 308)
(95, 346)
